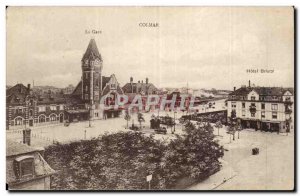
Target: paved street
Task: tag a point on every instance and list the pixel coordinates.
(43, 136)
(271, 169)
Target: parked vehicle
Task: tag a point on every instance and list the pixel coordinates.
(134, 128)
(161, 130)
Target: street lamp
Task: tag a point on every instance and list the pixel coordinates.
(174, 122)
(89, 107)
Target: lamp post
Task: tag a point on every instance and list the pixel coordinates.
(174, 122)
(89, 107)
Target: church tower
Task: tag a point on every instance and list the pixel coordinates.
(91, 65)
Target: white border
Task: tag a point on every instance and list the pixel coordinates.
(3, 3)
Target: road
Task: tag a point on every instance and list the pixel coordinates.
(271, 169)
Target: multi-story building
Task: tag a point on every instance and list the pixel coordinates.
(25, 108)
(85, 101)
(141, 88)
(262, 108)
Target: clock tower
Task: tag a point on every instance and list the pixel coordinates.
(91, 64)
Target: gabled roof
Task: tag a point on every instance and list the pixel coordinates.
(127, 88)
(105, 80)
(241, 91)
(17, 94)
(17, 89)
(92, 51)
(78, 89)
(14, 148)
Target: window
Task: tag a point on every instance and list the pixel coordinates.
(252, 97)
(18, 121)
(30, 113)
(113, 86)
(42, 119)
(52, 107)
(27, 167)
(24, 166)
(52, 118)
(42, 108)
(19, 111)
(288, 99)
(61, 107)
(86, 96)
(31, 102)
(243, 113)
(274, 115)
(262, 106)
(233, 105)
(243, 105)
(252, 114)
(263, 114)
(253, 105)
(86, 75)
(86, 88)
(274, 107)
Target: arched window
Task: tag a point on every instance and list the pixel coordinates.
(42, 119)
(19, 121)
(30, 113)
(52, 117)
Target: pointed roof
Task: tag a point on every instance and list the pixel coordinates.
(92, 50)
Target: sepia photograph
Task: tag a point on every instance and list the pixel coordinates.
(150, 98)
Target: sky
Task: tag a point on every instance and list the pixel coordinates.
(202, 47)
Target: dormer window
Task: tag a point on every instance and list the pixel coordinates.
(113, 86)
(252, 98)
(24, 166)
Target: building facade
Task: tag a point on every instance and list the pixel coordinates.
(25, 108)
(141, 88)
(262, 108)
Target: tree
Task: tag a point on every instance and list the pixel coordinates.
(141, 119)
(122, 160)
(231, 131)
(127, 117)
(195, 156)
(232, 128)
(114, 161)
(218, 125)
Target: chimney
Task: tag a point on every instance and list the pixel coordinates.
(233, 88)
(131, 79)
(142, 81)
(138, 81)
(28, 87)
(249, 84)
(26, 136)
(147, 80)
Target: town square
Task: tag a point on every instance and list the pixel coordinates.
(150, 108)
